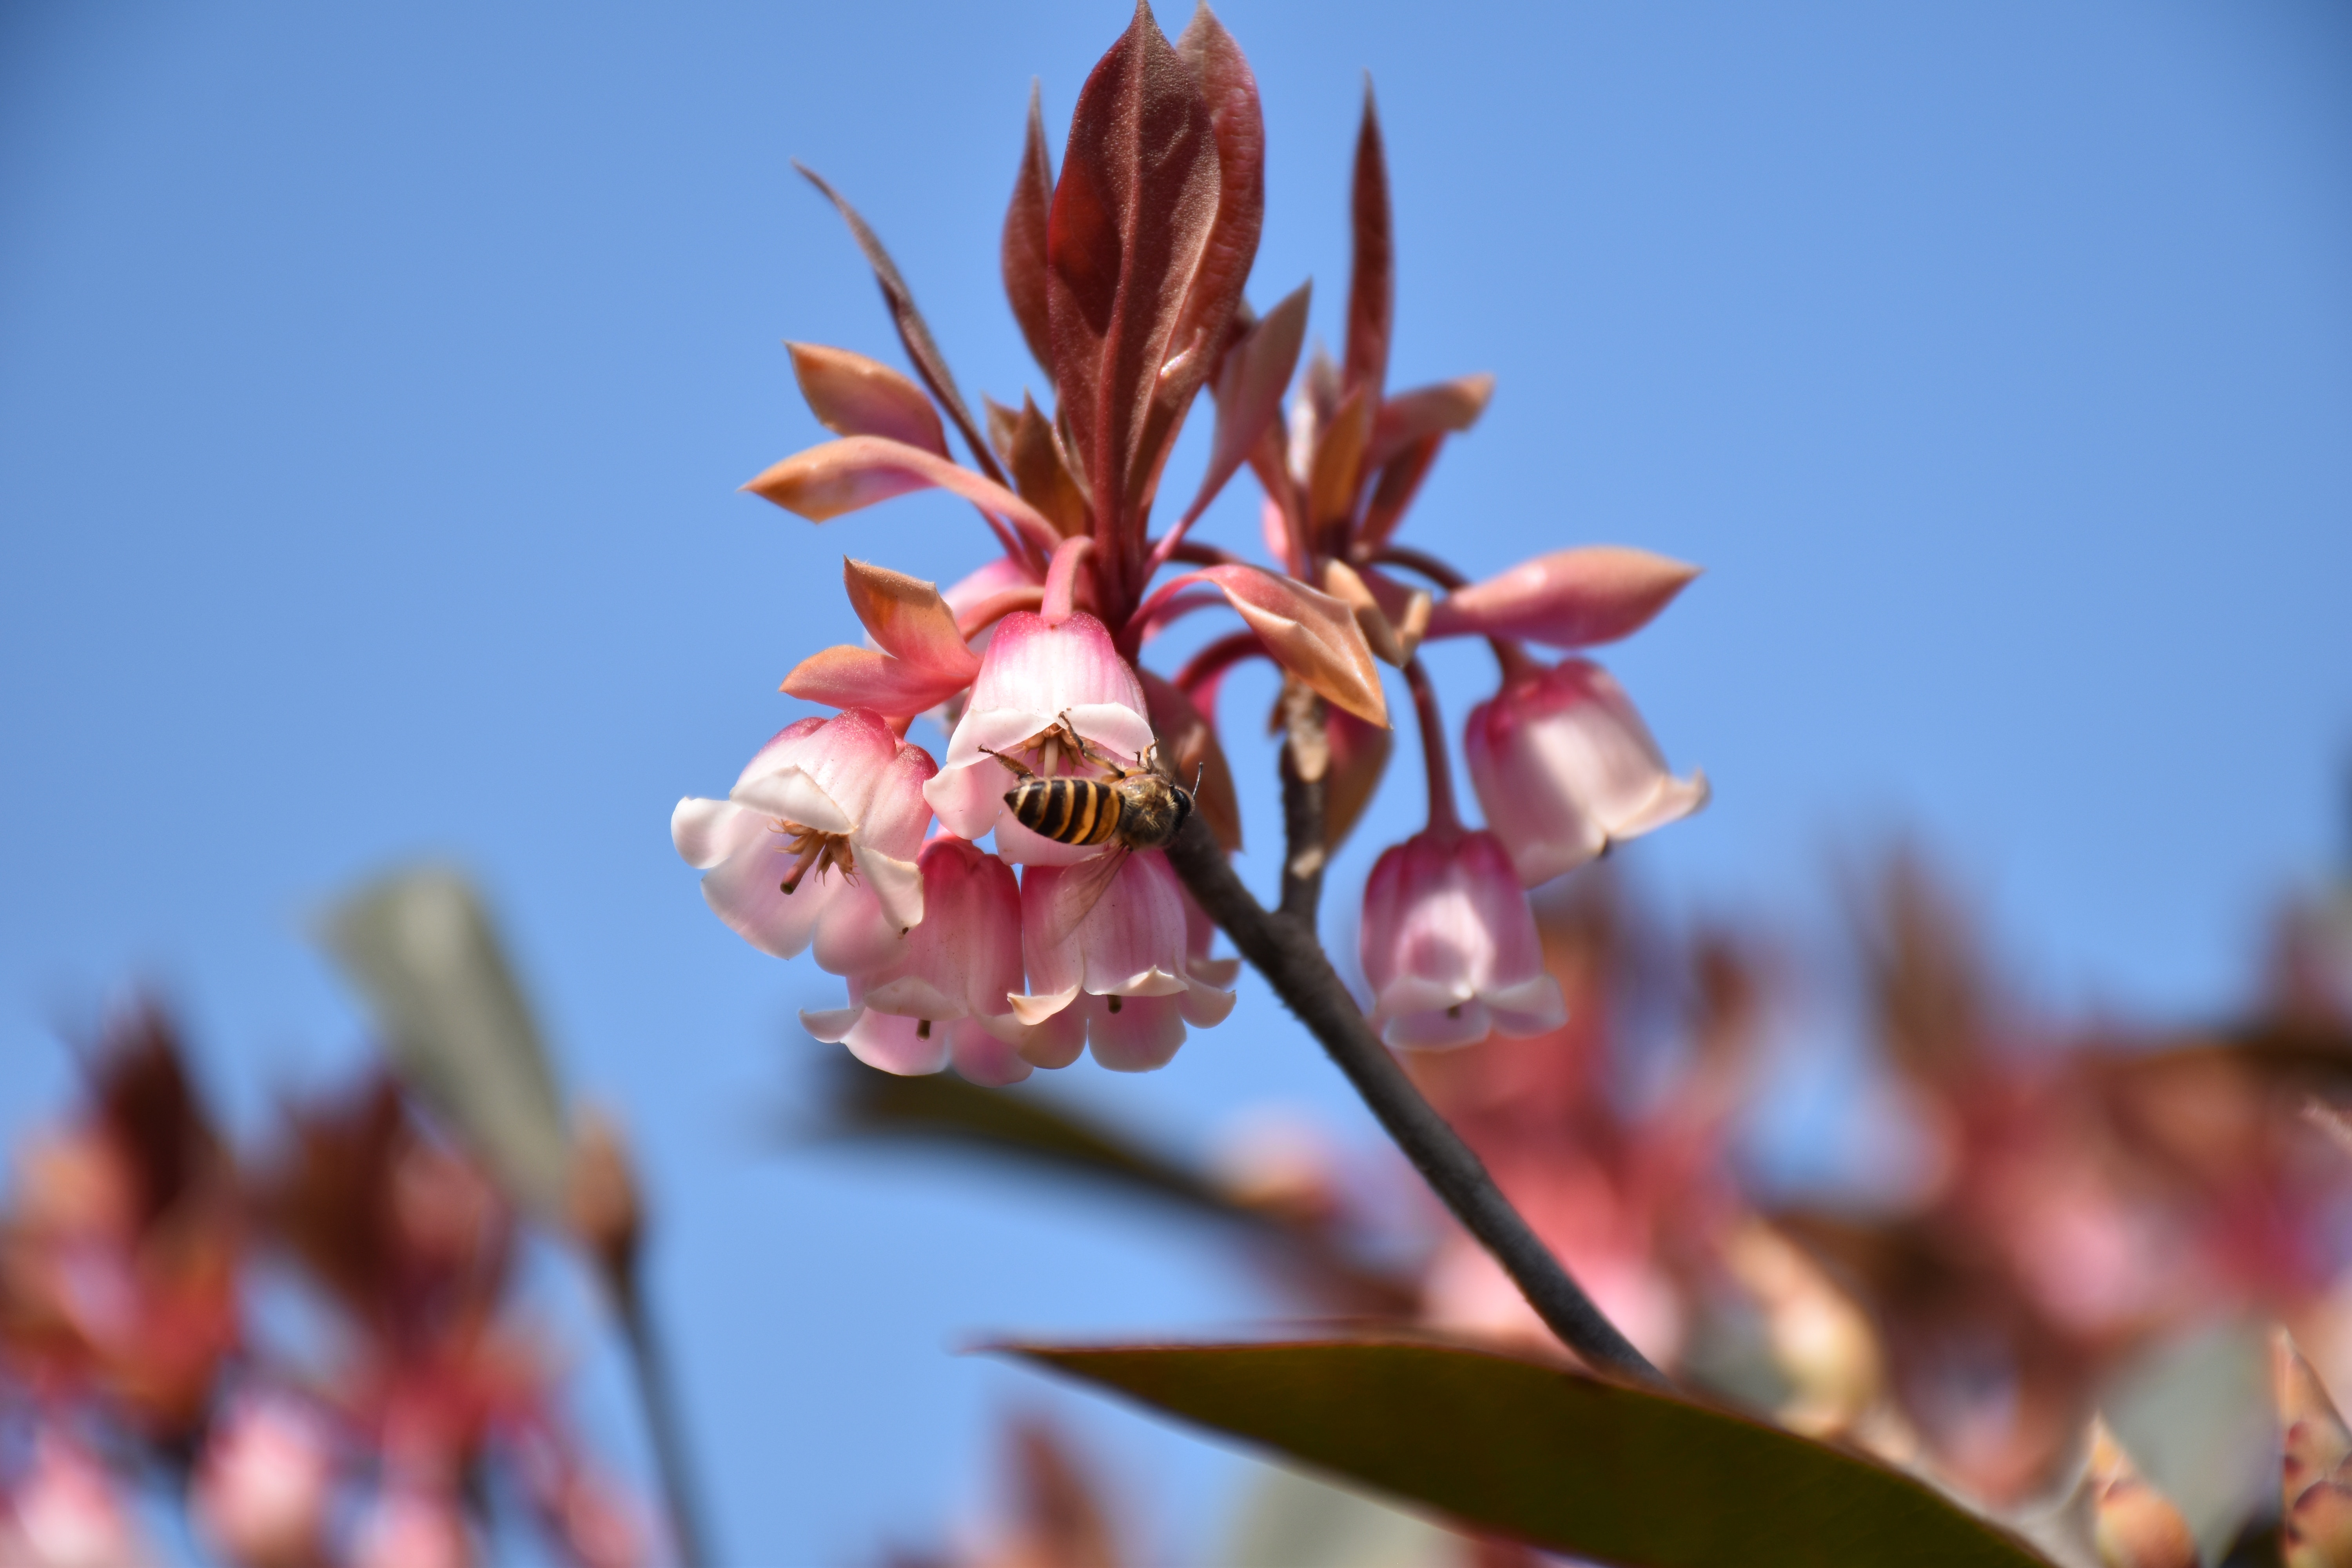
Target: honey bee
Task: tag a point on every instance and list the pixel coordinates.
(1135, 808)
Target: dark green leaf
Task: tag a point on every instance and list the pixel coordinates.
(1557, 1458)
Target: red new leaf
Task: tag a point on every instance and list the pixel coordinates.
(1371, 281)
(1024, 238)
(1132, 217)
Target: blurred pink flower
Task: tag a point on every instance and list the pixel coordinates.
(1564, 767)
(826, 795)
(944, 994)
(1133, 971)
(263, 1484)
(66, 1513)
(1449, 945)
(1033, 674)
(415, 1522)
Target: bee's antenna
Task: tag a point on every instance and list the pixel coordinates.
(1199, 769)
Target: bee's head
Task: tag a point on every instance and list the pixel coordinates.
(1183, 807)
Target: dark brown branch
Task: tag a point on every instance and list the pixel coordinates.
(1288, 953)
(1423, 562)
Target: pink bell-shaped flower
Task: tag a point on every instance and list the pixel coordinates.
(1564, 767)
(263, 1485)
(1033, 674)
(816, 842)
(1449, 945)
(944, 994)
(65, 1511)
(1129, 976)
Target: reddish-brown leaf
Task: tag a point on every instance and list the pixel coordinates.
(1131, 216)
(1337, 478)
(1249, 393)
(1041, 475)
(1447, 408)
(1393, 491)
(853, 395)
(913, 330)
(1371, 281)
(1025, 224)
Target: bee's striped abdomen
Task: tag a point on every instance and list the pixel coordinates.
(1067, 811)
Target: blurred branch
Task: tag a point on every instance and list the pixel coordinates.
(1029, 1128)
(1286, 951)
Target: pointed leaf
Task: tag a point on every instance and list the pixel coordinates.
(1309, 633)
(420, 947)
(1447, 408)
(1569, 598)
(1393, 491)
(910, 619)
(1002, 423)
(913, 330)
(1371, 278)
(1337, 478)
(853, 395)
(1189, 748)
(847, 677)
(1557, 1458)
(1025, 227)
(1041, 474)
(1249, 392)
(1342, 582)
(1132, 216)
(856, 471)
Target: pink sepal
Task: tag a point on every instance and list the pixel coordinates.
(1569, 598)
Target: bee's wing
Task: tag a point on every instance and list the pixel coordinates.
(1079, 891)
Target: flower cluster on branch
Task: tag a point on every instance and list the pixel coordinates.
(1125, 273)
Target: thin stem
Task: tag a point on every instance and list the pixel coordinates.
(1421, 561)
(1433, 747)
(1062, 578)
(1288, 953)
(656, 1395)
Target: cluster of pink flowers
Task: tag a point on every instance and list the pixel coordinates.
(1126, 275)
(124, 1354)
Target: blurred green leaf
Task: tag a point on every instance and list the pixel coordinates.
(419, 946)
(1557, 1458)
(1016, 1124)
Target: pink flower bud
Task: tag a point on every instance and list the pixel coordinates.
(816, 842)
(263, 1484)
(1564, 767)
(1450, 946)
(1033, 674)
(944, 995)
(412, 1524)
(1129, 976)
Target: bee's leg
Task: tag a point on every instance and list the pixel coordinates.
(1018, 770)
(1086, 749)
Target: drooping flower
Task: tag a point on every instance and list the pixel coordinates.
(1449, 945)
(945, 994)
(1564, 767)
(68, 1512)
(1036, 675)
(817, 841)
(1132, 970)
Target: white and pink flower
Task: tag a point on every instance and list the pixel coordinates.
(1035, 673)
(1564, 767)
(1134, 971)
(945, 996)
(1449, 945)
(817, 844)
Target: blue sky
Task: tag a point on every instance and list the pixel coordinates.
(374, 386)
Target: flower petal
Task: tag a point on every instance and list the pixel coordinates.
(847, 677)
(707, 831)
(794, 796)
(1141, 1037)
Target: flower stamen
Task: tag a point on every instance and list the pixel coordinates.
(813, 849)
